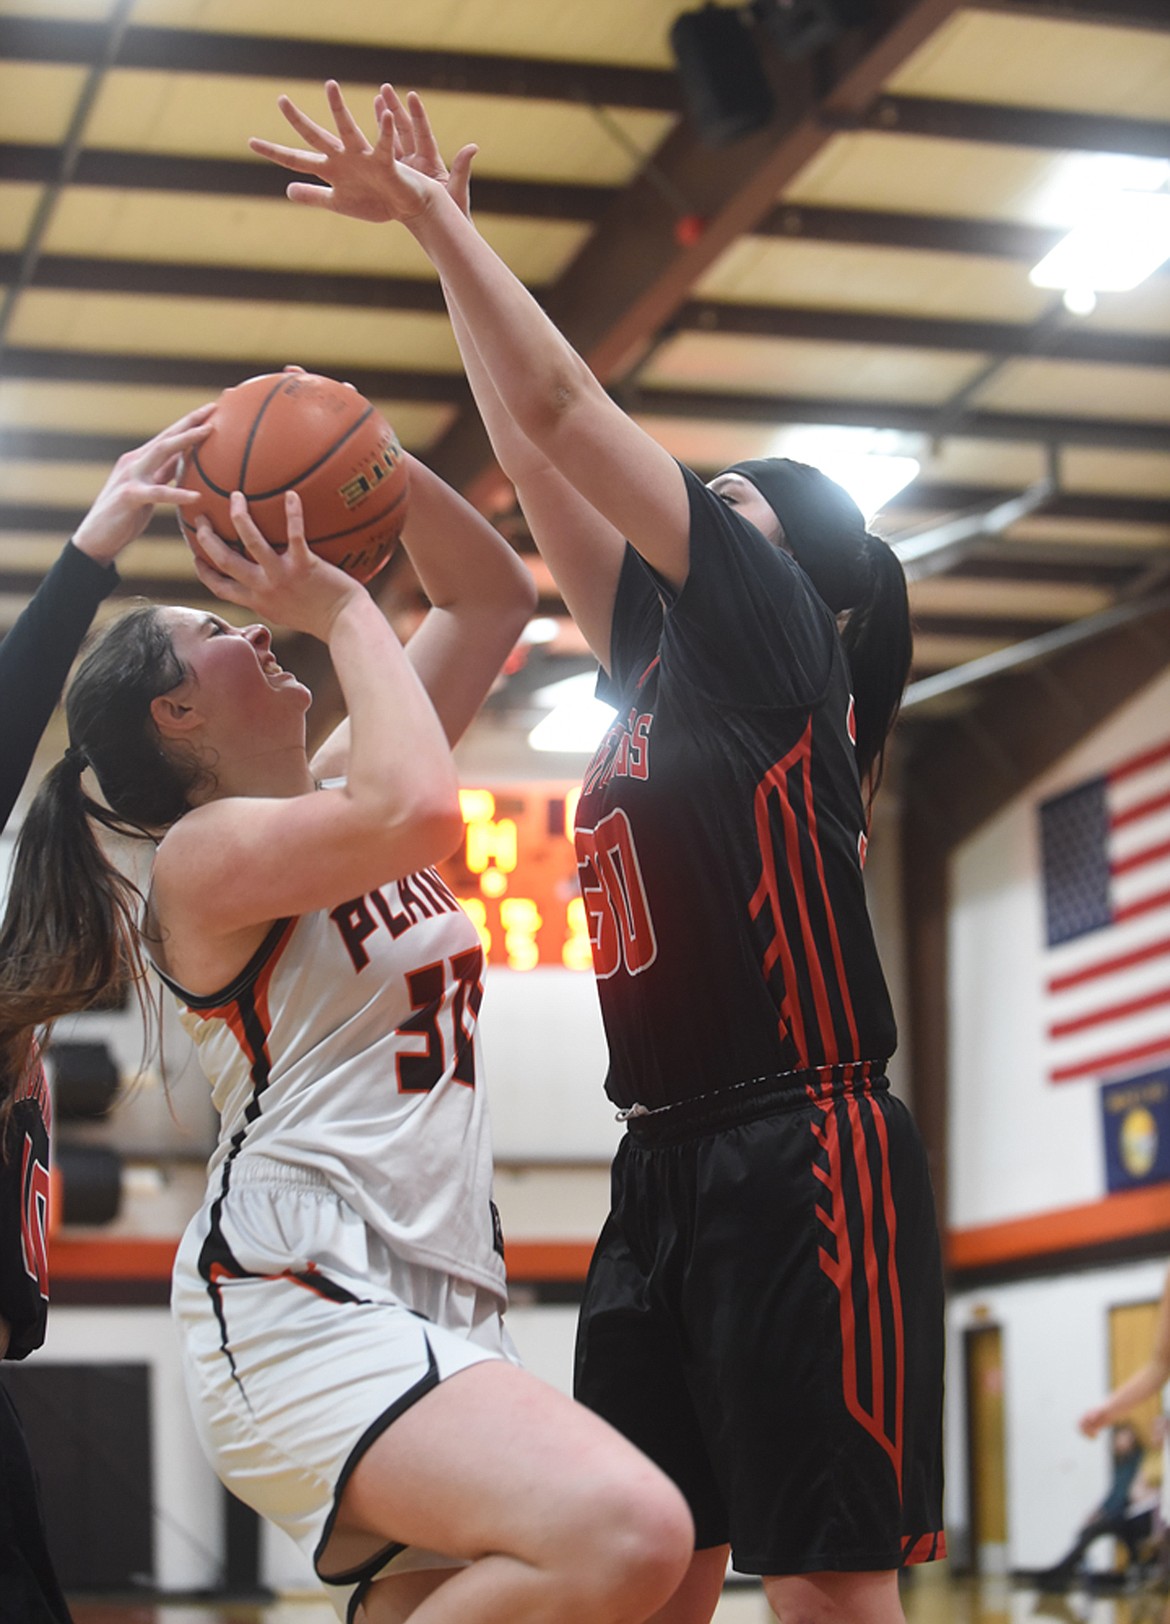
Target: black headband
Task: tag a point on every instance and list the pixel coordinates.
(823, 525)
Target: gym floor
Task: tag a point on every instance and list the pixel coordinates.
(930, 1598)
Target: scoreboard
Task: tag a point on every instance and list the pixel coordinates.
(516, 875)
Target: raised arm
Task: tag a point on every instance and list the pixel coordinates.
(1144, 1383)
(240, 861)
(582, 549)
(545, 387)
(481, 598)
(36, 654)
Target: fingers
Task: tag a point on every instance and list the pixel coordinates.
(306, 163)
(424, 137)
(316, 135)
(317, 197)
(348, 129)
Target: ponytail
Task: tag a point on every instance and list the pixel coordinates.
(879, 645)
(853, 571)
(70, 932)
(70, 929)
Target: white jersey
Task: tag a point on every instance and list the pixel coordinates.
(347, 1050)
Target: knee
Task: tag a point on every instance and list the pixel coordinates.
(835, 1598)
(639, 1544)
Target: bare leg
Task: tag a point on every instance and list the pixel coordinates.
(695, 1600)
(558, 1516)
(836, 1598)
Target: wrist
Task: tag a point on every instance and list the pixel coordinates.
(101, 550)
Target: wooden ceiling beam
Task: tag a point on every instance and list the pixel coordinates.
(193, 281)
(250, 177)
(1008, 339)
(630, 279)
(934, 496)
(213, 374)
(722, 406)
(987, 122)
(348, 290)
(283, 59)
(1148, 15)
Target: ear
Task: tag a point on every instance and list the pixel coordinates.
(172, 718)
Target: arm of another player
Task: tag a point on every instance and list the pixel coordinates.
(1144, 1383)
(546, 388)
(582, 549)
(42, 644)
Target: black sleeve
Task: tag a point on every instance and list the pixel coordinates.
(24, 1217)
(747, 628)
(636, 630)
(35, 658)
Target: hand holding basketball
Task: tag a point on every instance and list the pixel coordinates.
(141, 479)
(298, 431)
(290, 586)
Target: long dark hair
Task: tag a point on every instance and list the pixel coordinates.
(879, 644)
(854, 572)
(71, 927)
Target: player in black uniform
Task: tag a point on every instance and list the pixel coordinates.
(35, 657)
(763, 1314)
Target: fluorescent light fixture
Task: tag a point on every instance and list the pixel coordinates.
(871, 464)
(1076, 182)
(577, 721)
(1118, 243)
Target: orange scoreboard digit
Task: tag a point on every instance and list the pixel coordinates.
(516, 875)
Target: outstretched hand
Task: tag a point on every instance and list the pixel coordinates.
(351, 175)
(291, 586)
(415, 145)
(140, 481)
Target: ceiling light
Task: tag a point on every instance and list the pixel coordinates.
(577, 721)
(1117, 244)
(872, 464)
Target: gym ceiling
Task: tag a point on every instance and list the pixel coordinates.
(859, 260)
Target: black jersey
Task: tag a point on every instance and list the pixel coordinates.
(721, 832)
(35, 658)
(24, 1215)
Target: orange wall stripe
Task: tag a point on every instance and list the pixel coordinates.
(1124, 1216)
(126, 1258)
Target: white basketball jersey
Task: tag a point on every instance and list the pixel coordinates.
(348, 1048)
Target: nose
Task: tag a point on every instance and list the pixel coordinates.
(259, 637)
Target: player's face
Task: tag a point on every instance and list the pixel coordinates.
(234, 671)
(748, 502)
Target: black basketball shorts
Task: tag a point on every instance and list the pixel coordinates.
(763, 1317)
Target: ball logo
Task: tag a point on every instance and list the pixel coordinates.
(355, 489)
(1138, 1141)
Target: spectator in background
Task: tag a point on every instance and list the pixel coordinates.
(35, 658)
(1126, 1512)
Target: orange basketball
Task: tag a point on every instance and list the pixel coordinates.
(300, 431)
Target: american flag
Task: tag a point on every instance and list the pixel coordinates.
(1105, 848)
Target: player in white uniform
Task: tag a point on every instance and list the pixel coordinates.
(347, 1261)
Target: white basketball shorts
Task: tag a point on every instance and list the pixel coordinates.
(295, 1368)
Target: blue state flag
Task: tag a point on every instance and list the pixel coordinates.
(1135, 1119)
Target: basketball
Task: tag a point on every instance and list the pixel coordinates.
(299, 431)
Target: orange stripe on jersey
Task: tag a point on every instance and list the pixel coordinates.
(231, 1012)
(840, 1266)
(799, 758)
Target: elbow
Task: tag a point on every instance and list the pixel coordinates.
(554, 403)
(436, 827)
